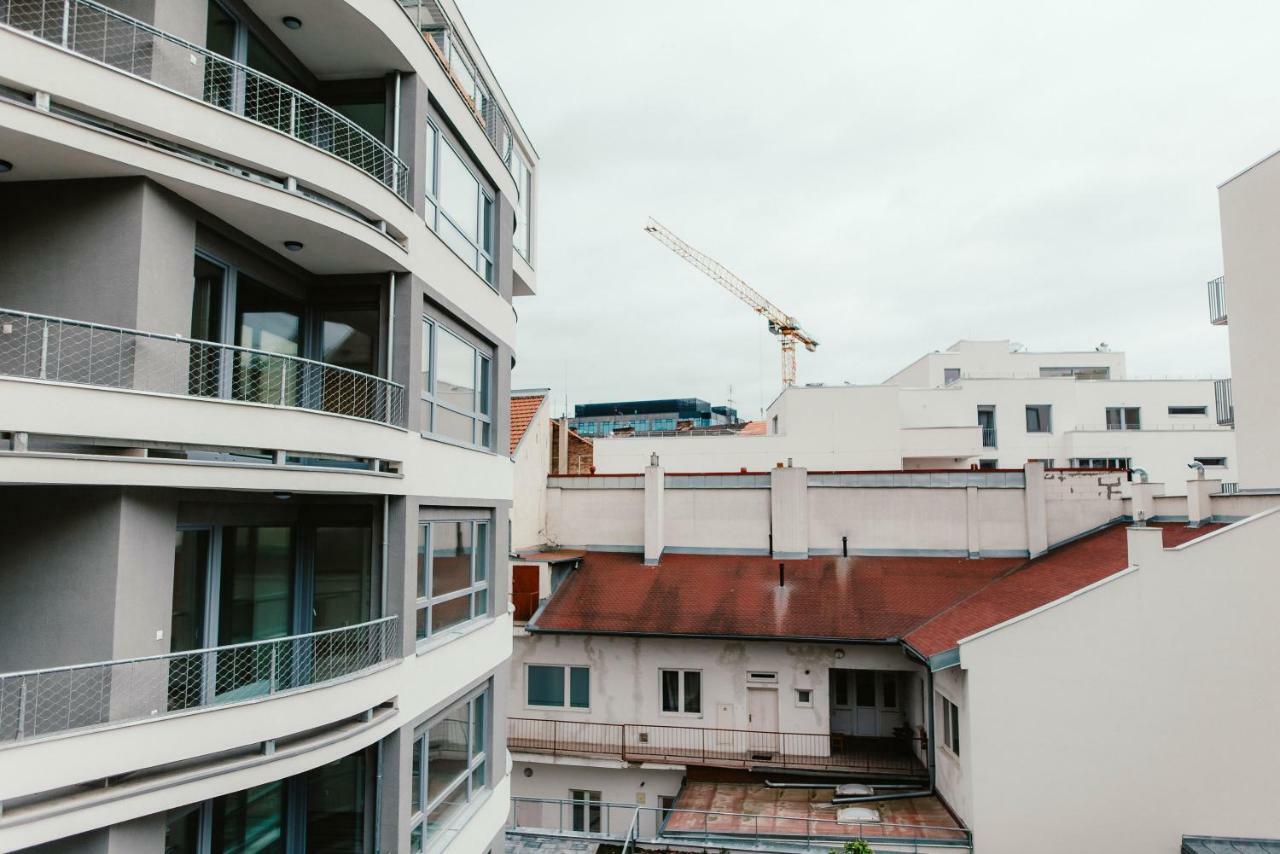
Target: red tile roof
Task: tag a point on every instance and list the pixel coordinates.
(1037, 582)
(523, 409)
(929, 602)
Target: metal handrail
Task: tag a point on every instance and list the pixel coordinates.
(45, 347)
(112, 38)
(53, 700)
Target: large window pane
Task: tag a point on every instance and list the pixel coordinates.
(670, 690)
(546, 685)
(482, 551)
(579, 687)
(182, 830)
(451, 613)
(190, 566)
(454, 426)
(450, 557)
(459, 193)
(447, 751)
(349, 338)
(256, 601)
(343, 577)
(251, 821)
(693, 692)
(335, 806)
(455, 373)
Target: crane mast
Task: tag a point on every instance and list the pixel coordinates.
(781, 324)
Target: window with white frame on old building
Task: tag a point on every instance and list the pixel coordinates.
(586, 810)
(450, 767)
(557, 686)
(453, 574)
(681, 691)
(951, 726)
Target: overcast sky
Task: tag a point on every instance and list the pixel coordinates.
(897, 175)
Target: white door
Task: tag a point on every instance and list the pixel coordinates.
(762, 720)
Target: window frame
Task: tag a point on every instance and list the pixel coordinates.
(484, 265)
(801, 702)
(420, 809)
(1212, 462)
(476, 589)
(1045, 409)
(523, 230)
(482, 379)
(950, 726)
(682, 698)
(1188, 410)
(567, 694)
(591, 803)
(1122, 417)
(950, 376)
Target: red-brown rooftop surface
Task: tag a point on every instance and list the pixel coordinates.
(523, 408)
(931, 602)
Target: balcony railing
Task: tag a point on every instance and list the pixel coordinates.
(38, 703)
(36, 346)
(988, 437)
(127, 44)
(1223, 402)
(1218, 301)
(630, 824)
(442, 37)
(713, 746)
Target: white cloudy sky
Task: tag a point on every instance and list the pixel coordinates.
(896, 175)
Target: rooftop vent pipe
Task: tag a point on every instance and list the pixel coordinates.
(782, 575)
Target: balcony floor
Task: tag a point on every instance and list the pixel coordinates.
(788, 811)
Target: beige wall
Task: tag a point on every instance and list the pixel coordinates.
(1135, 711)
(532, 461)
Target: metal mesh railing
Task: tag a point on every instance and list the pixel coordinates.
(37, 703)
(127, 44)
(36, 346)
(442, 37)
(1218, 301)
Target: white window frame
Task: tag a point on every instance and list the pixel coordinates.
(950, 726)
(1123, 417)
(1201, 410)
(486, 208)
(419, 811)
(682, 701)
(592, 800)
(481, 558)
(522, 236)
(1047, 424)
(800, 701)
(568, 687)
(482, 380)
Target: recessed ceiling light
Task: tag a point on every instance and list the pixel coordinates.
(293, 245)
(6, 166)
(291, 22)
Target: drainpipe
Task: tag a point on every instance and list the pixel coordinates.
(391, 324)
(386, 537)
(930, 753)
(395, 118)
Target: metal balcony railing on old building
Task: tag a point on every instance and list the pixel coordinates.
(1218, 301)
(1223, 402)
(55, 700)
(40, 347)
(126, 44)
(988, 437)
(715, 746)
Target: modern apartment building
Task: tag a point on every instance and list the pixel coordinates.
(257, 265)
(984, 404)
(650, 416)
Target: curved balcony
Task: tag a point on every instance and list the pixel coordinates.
(126, 44)
(53, 701)
(36, 346)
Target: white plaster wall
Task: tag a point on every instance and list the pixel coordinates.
(532, 462)
(596, 517)
(1003, 520)
(721, 519)
(625, 682)
(951, 778)
(1141, 704)
(617, 783)
(992, 358)
(887, 518)
(1076, 502)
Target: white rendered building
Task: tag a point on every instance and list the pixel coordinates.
(257, 266)
(978, 403)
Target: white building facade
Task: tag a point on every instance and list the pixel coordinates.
(257, 268)
(979, 403)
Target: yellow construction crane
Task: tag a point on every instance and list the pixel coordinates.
(786, 327)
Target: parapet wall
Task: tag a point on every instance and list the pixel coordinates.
(946, 513)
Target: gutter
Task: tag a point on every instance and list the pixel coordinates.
(532, 628)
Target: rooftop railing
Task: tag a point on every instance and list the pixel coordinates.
(1218, 301)
(631, 824)
(37, 346)
(134, 47)
(713, 746)
(36, 703)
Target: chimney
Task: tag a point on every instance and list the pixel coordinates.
(1200, 501)
(1142, 496)
(1033, 497)
(789, 512)
(654, 510)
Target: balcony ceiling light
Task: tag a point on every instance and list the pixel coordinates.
(293, 245)
(291, 22)
(5, 166)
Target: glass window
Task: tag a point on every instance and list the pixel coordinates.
(545, 685)
(458, 207)
(1123, 418)
(458, 387)
(1188, 410)
(950, 375)
(1217, 462)
(951, 726)
(586, 810)
(452, 574)
(450, 766)
(524, 208)
(1039, 418)
(681, 691)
